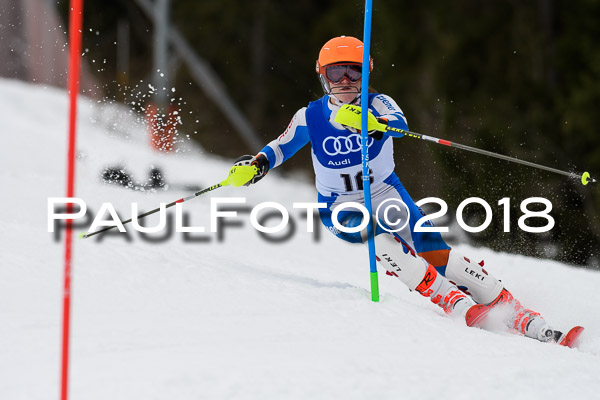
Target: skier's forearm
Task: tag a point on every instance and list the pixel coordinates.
(289, 142)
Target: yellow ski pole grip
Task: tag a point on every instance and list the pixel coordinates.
(239, 175)
(349, 115)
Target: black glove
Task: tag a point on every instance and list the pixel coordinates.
(260, 162)
(378, 135)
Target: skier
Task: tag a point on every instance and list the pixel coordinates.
(421, 260)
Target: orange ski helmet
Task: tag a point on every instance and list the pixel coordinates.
(340, 50)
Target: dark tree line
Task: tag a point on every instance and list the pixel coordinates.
(518, 78)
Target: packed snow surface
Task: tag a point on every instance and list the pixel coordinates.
(239, 317)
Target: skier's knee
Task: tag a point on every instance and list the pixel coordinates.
(400, 260)
(472, 278)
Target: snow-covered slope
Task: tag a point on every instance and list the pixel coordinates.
(241, 317)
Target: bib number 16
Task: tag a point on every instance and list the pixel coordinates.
(352, 185)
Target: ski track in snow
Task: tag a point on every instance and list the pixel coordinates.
(241, 318)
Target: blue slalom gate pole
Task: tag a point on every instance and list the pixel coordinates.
(366, 175)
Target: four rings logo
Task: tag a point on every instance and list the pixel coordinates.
(333, 146)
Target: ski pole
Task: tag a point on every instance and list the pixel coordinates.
(347, 115)
(238, 176)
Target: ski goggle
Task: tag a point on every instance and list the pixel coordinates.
(335, 73)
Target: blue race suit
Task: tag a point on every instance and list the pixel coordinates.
(337, 162)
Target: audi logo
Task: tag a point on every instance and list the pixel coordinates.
(344, 144)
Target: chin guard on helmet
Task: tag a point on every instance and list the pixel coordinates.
(324, 84)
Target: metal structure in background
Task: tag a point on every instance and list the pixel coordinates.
(160, 51)
(202, 73)
(123, 49)
(33, 43)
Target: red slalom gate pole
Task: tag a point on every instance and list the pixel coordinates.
(75, 30)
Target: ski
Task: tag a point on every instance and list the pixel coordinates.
(570, 338)
(476, 315)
